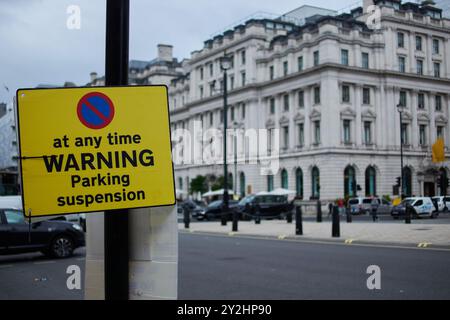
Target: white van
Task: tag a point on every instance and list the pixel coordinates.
(423, 206)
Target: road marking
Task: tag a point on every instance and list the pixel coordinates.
(231, 234)
(349, 241)
(44, 262)
(424, 244)
(393, 246)
(282, 237)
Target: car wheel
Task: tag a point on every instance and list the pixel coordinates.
(62, 247)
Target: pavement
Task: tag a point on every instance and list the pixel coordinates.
(426, 233)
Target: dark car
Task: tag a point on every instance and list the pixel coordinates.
(268, 206)
(215, 209)
(52, 237)
(196, 208)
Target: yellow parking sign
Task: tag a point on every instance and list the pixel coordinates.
(94, 148)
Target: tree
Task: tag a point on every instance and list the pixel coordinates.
(199, 184)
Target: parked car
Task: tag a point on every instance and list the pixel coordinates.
(360, 205)
(270, 206)
(196, 208)
(54, 238)
(443, 202)
(422, 207)
(215, 209)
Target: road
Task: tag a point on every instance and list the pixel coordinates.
(224, 267)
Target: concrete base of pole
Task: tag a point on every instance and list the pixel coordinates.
(153, 254)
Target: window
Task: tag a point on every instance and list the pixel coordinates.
(400, 40)
(437, 69)
(301, 99)
(299, 182)
(221, 116)
(422, 135)
(365, 60)
(316, 58)
(180, 183)
(317, 132)
(243, 57)
(14, 217)
(315, 183)
(301, 134)
(418, 43)
(300, 63)
(435, 46)
(285, 68)
(201, 92)
(421, 101)
(211, 118)
(232, 113)
(243, 110)
(284, 179)
(271, 73)
(349, 182)
(286, 102)
(242, 184)
(440, 131)
(344, 57)
(201, 73)
(419, 66)
(243, 78)
(438, 103)
(347, 131)
(401, 64)
(367, 132)
(212, 88)
(402, 100)
(231, 82)
(211, 69)
(269, 182)
(371, 185)
(345, 94)
(366, 95)
(316, 95)
(405, 133)
(272, 105)
(286, 137)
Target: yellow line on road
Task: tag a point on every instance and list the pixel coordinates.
(424, 244)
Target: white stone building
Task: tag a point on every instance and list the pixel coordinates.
(331, 86)
(8, 151)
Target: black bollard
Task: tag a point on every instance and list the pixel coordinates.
(335, 229)
(234, 228)
(289, 217)
(298, 221)
(319, 211)
(349, 215)
(408, 210)
(257, 216)
(187, 217)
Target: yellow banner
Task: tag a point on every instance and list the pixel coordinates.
(438, 151)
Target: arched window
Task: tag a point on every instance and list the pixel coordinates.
(230, 181)
(284, 179)
(407, 183)
(299, 182)
(349, 182)
(188, 187)
(315, 183)
(371, 181)
(242, 184)
(269, 182)
(180, 183)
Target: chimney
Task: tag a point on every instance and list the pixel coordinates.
(165, 52)
(366, 5)
(93, 76)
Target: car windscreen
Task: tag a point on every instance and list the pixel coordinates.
(353, 201)
(246, 200)
(367, 201)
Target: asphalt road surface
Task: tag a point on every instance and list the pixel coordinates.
(223, 267)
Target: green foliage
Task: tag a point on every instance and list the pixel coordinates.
(199, 184)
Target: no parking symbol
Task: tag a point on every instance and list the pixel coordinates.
(95, 110)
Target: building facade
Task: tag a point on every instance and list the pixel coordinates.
(330, 87)
(8, 152)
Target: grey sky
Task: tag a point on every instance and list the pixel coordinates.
(37, 47)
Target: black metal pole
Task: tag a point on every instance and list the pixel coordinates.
(319, 211)
(401, 159)
(116, 221)
(225, 168)
(298, 221)
(335, 228)
(186, 216)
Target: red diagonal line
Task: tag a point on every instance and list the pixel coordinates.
(94, 110)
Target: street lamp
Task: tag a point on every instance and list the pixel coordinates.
(225, 65)
(401, 108)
